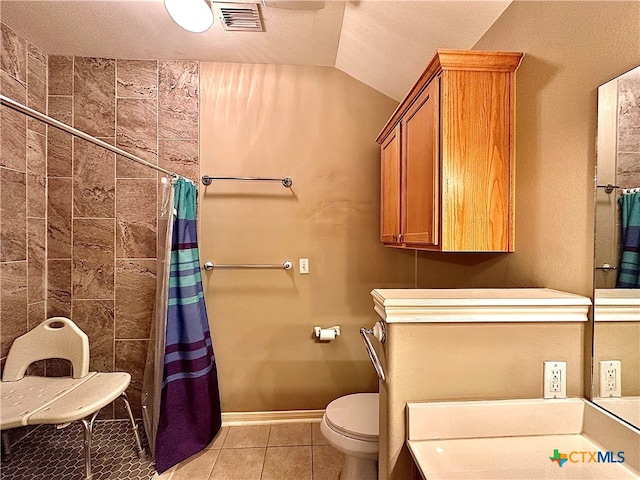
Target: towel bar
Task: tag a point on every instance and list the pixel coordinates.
(286, 181)
(286, 265)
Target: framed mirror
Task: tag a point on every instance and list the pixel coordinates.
(616, 332)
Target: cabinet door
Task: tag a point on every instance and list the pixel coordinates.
(390, 187)
(420, 175)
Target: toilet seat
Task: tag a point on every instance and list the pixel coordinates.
(355, 416)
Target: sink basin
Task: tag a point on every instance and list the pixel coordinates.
(521, 439)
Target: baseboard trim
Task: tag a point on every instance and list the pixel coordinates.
(270, 418)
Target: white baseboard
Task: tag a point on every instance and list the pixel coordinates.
(270, 418)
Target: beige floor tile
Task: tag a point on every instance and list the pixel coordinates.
(290, 434)
(198, 467)
(239, 464)
(327, 462)
(316, 435)
(220, 438)
(287, 463)
(247, 436)
(165, 475)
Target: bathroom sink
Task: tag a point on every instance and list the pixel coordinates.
(521, 439)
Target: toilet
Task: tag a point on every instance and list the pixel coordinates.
(350, 425)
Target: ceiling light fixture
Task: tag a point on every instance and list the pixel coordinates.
(192, 15)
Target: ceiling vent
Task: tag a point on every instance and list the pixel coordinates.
(243, 17)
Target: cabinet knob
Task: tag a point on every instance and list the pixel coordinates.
(395, 237)
(400, 238)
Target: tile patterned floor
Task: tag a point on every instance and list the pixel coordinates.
(288, 451)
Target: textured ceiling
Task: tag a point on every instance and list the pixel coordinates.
(383, 43)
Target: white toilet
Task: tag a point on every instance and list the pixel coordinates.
(350, 425)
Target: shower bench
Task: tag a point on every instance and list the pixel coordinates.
(33, 400)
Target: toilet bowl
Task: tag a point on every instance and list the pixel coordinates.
(350, 425)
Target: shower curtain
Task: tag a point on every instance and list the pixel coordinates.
(629, 269)
(181, 401)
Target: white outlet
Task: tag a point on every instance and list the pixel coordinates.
(304, 265)
(610, 378)
(555, 379)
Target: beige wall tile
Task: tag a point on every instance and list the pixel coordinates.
(13, 303)
(181, 157)
(131, 356)
(13, 56)
(14, 125)
(37, 82)
(36, 314)
(94, 96)
(13, 216)
(135, 296)
(126, 168)
(629, 169)
(59, 288)
(93, 258)
(36, 174)
(36, 259)
(137, 78)
(96, 319)
(136, 218)
(178, 89)
(136, 133)
(59, 143)
(629, 114)
(60, 75)
(59, 196)
(94, 181)
(137, 120)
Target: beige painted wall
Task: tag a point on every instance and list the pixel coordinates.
(481, 361)
(619, 341)
(318, 126)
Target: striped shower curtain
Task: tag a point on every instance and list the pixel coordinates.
(181, 398)
(629, 271)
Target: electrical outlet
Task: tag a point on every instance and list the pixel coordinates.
(610, 378)
(304, 265)
(555, 379)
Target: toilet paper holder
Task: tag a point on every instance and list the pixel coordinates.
(326, 334)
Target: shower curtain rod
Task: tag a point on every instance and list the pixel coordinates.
(19, 107)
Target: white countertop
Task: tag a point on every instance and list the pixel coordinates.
(525, 457)
(479, 305)
(518, 439)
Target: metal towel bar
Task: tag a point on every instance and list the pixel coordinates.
(286, 181)
(286, 265)
(377, 331)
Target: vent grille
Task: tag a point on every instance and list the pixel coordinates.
(240, 17)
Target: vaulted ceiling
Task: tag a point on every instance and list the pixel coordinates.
(383, 43)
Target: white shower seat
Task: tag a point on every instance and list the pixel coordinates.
(33, 400)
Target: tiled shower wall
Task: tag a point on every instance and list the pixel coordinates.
(23, 77)
(628, 164)
(101, 209)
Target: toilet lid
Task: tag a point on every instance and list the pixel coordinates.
(355, 416)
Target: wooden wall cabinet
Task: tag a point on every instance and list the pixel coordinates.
(447, 157)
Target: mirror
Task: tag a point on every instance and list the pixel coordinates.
(616, 336)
